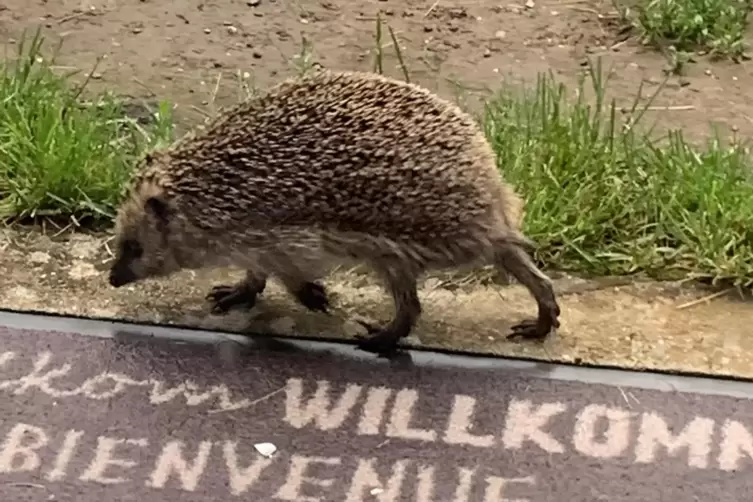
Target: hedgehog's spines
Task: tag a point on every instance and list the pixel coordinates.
(337, 166)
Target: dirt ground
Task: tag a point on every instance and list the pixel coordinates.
(639, 325)
(177, 49)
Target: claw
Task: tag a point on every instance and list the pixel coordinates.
(379, 341)
(224, 298)
(534, 329)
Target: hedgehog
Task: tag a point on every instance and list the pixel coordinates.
(320, 170)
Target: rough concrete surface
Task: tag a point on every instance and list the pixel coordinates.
(607, 322)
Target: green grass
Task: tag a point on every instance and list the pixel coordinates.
(714, 26)
(606, 199)
(601, 198)
(58, 154)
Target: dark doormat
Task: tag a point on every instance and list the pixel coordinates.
(96, 419)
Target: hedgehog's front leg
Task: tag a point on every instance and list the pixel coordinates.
(404, 290)
(311, 295)
(298, 280)
(244, 293)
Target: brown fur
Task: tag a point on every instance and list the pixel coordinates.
(330, 167)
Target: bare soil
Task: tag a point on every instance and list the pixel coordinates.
(612, 321)
(176, 50)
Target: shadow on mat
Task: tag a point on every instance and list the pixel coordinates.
(234, 354)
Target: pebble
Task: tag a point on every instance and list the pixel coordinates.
(39, 257)
(265, 449)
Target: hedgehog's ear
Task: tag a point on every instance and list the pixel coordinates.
(158, 208)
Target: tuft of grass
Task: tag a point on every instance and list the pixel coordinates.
(60, 155)
(713, 26)
(379, 54)
(605, 199)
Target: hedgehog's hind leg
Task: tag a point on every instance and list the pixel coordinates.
(513, 258)
(403, 288)
(244, 293)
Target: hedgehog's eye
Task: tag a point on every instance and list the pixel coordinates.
(132, 249)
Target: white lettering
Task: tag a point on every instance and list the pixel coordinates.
(107, 385)
(373, 410)
(291, 490)
(366, 478)
(461, 418)
(19, 451)
(617, 433)
(64, 455)
(696, 437)
(37, 378)
(118, 383)
(425, 488)
(5, 358)
(736, 442)
(402, 414)
(425, 485)
(525, 424)
(496, 487)
(194, 396)
(103, 458)
(171, 460)
(242, 479)
(465, 478)
(318, 409)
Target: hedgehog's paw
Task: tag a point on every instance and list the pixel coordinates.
(385, 346)
(313, 296)
(380, 341)
(224, 297)
(533, 329)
